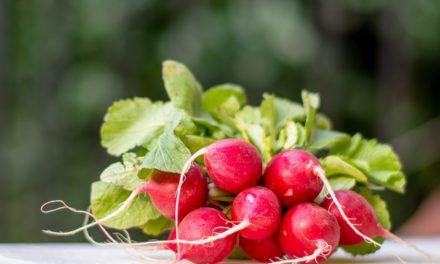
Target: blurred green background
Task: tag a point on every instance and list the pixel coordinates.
(62, 63)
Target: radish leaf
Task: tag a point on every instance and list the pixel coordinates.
(106, 198)
(136, 122)
(378, 161)
(181, 86)
(157, 226)
(168, 154)
(217, 95)
(125, 173)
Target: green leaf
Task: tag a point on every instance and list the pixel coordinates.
(225, 113)
(181, 86)
(291, 136)
(168, 154)
(217, 95)
(125, 173)
(364, 248)
(383, 216)
(324, 139)
(249, 123)
(286, 110)
(336, 165)
(378, 161)
(194, 143)
(106, 198)
(136, 122)
(322, 122)
(342, 183)
(157, 226)
(311, 103)
(347, 147)
(216, 129)
(268, 116)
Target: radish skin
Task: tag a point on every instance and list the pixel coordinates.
(260, 207)
(265, 250)
(288, 177)
(309, 230)
(162, 188)
(201, 223)
(233, 164)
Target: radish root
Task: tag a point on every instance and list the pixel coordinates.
(115, 213)
(207, 240)
(398, 240)
(322, 250)
(185, 169)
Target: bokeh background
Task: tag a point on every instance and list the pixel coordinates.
(62, 63)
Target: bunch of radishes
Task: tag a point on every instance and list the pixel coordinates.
(272, 216)
(259, 186)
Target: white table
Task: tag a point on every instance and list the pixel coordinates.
(90, 254)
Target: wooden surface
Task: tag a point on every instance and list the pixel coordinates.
(86, 253)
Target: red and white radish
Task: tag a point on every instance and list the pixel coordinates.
(260, 207)
(291, 176)
(233, 164)
(162, 189)
(308, 232)
(197, 229)
(361, 214)
(265, 250)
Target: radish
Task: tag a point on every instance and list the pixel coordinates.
(361, 213)
(308, 232)
(261, 208)
(291, 176)
(199, 229)
(233, 164)
(162, 191)
(265, 250)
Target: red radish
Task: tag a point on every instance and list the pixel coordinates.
(261, 208)
(362, 215)
(233, 164)
(162, 189)
(262, 250)
(200, 224)
(308, 232)
(291, 176)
